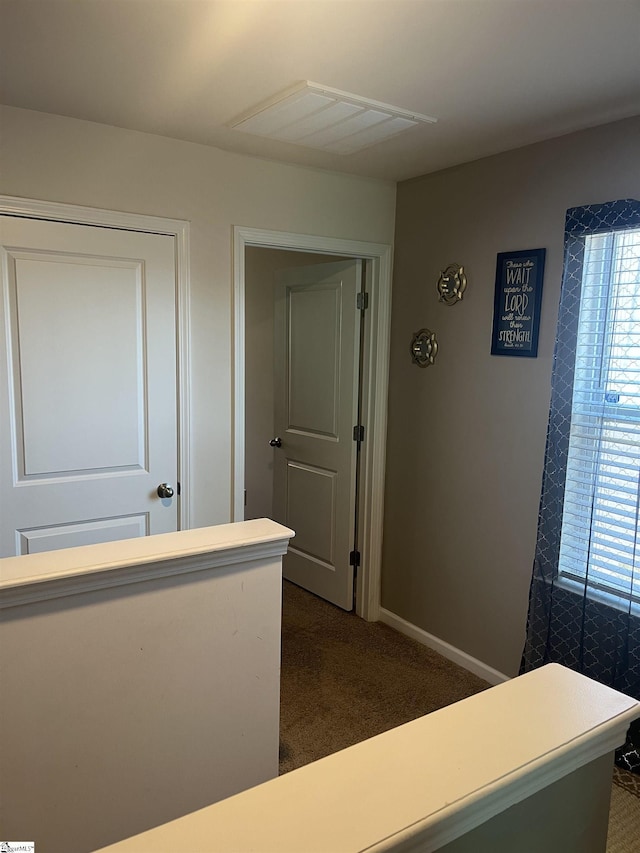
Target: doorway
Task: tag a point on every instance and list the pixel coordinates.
(302, 362)
(377, 260)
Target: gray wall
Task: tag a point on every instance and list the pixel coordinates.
(466, 436)
(61, 159)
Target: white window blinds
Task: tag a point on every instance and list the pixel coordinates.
(599, 540)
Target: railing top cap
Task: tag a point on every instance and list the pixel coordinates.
(423, 784)
(73, 564)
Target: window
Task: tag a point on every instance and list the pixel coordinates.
(584, 601)
(599, 541)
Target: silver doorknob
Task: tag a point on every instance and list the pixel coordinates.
(276, 442)
(165, 490)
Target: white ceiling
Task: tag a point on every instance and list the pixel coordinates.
(498, 74)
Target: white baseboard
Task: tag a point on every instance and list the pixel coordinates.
(477, 667)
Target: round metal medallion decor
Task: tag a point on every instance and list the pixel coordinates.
(424, 348)
(452, 284)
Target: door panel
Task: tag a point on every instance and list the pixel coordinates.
(88, 352)
(72, 366)
(311, 507)
(89, 532)
(316, 387)
(314, 358)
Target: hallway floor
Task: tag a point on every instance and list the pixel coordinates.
(345, 680)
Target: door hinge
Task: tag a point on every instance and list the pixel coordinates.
(354, 558)
(358, 433)
(362, 301)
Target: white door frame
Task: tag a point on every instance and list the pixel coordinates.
(177, 228)
(374, 392)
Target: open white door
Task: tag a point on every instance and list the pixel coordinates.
(316, 402)
(88, 423)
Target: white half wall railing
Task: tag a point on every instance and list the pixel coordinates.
(524, 767)
(139, 681)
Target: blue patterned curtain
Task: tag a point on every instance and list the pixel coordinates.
(575, 621)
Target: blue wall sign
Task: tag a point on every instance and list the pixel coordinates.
(516, 308)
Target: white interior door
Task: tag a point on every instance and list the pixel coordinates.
(88, 385)
(316, 396)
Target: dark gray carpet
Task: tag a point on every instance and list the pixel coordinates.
(345, 680)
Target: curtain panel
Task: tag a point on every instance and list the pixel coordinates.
(570, 623)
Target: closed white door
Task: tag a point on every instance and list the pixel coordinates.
(316, 403)
(87, 385)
